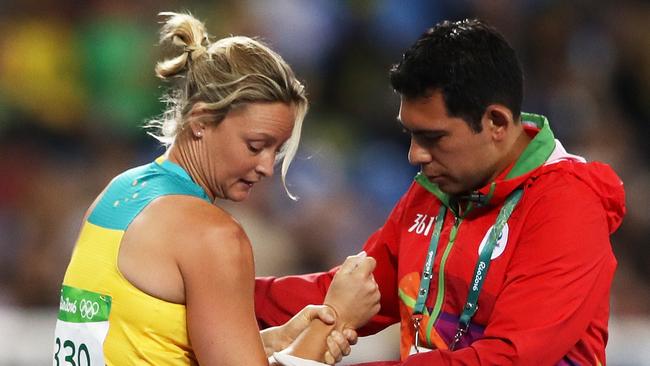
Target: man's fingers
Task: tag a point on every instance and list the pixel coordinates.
(329, 359)
(333, 349)
(351, 335)
(342, 343)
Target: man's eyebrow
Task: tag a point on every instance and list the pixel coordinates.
(427, 133)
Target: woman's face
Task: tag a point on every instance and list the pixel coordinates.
(240, 150)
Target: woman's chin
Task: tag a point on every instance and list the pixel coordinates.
(238, 195)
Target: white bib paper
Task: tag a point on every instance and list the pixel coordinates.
(81, 328)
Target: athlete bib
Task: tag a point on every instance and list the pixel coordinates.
(81, 328)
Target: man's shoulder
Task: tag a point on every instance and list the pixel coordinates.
(595, 175)
(571, 184)
(550, 173)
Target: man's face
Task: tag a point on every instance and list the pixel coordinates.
(449, 152)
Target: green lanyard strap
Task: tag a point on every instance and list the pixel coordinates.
(427, 273)
(481, 269)
(423, 291)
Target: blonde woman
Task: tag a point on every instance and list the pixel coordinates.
(161, 275)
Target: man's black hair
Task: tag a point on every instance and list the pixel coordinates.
(470, 62)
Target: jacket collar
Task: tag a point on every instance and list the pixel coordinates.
(535, 155)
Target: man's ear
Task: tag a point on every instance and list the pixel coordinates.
(497, 119)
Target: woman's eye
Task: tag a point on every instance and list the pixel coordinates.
(255, 148)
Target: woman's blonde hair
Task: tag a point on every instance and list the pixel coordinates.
(230, 72)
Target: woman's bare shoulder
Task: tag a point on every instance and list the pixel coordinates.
(191, 216)
(200, 231)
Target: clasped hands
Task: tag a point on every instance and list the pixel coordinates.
(351, 300)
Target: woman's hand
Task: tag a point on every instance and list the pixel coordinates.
(278, 338)
(354, 294)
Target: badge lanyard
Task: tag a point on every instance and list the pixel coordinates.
(423, 291)
(480, 271)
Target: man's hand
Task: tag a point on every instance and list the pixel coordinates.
(338, 345)
(278, 338)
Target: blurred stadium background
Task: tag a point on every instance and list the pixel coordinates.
(77, 84)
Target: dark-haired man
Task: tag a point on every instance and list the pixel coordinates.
(499, 252)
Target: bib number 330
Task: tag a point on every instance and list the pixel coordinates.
(81, 328)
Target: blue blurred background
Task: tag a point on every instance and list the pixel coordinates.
(77, 84)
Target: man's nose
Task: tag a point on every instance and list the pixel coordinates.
(417, 154)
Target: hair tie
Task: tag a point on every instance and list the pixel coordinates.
(195, 51)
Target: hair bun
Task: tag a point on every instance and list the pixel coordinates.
(186, 37)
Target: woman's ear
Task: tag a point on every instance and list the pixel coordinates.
(198, 133)
(197, 126)
(195, 121)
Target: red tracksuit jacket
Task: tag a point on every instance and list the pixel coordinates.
(545, 300)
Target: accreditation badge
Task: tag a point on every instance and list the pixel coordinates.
(81, 328)
(420, 349)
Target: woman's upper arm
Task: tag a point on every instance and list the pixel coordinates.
(216, 264)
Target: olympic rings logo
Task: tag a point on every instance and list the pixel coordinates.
(88, 309)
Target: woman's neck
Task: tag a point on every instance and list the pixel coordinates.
(186, 153)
